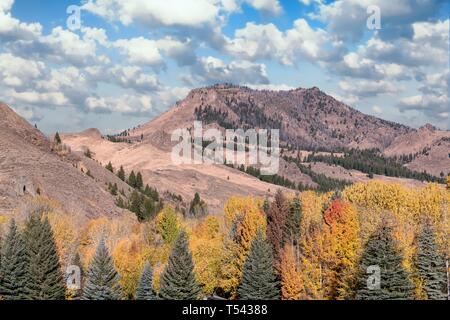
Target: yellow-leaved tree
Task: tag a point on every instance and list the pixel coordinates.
(243, 219)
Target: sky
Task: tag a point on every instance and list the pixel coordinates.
(118, 64)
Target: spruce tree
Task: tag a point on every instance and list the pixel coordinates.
(109, 167)
(57, 138)
(139, 181)
(45, 280)
(132, 179)
(431, 267)
(102, 282)
(291, 230)
(145, 287)
(14, 265)
(121, 174)
(394, 282)
(259, 281)
(178, 281)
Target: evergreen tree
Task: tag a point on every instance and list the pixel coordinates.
(14, 265)
(198, 207)
(178, 281)
(132, 179)
(394, 282)
(145, 288)
(102, 282)
(109, 167)
(431, 266)
(291, 230)
(45, 280)
(57, 138)
(121, 174)
(258, 279)
(139, 182)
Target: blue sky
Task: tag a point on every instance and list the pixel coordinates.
(131, 60)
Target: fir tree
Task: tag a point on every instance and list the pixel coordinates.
(431, 267)
(178, 281)
(258, 279)
(121, 174)
(394, 283)
(45, 280)
(291, 230)
(139, 182)
(132, 179)
(198, 207)
(57, 139)
(14, 265)
(109, 167)
(102, 282)
(145, 288)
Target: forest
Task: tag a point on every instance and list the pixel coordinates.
(371, 241)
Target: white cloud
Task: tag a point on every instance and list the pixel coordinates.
(18, 73)
(268, 42)
(191, 13)
(151, 52)
(270, 87)
(210, 70)
(367, 88)
(377, 109)
(270, 6)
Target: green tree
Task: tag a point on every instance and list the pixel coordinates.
(110, 167)
(291, 230)
(14, 265)
(132, 179)
(145, 288)
(381, 253)
(57, 138)
(45, 279)
(259, 281)
(139, 181)
(102, 281)
(178, 281)
(121, 174)
(168, 225)
(431, 267)
(198, 207)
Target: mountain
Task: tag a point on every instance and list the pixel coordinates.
(307, 118)
(29, 165)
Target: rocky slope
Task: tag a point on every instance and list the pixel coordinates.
(28, 166)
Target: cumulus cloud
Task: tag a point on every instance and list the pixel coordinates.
(347, 18)
(144, 51)
(257, 41)
(367, 88)
(269, 6)
(210, 70)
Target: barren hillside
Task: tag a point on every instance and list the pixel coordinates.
(28, 167)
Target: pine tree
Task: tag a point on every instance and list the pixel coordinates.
(14, 265)
(57, 139)
(431, 267)
(102, 281)
(121, 174)
(145, 288)
(291, 230)
(132, 179)
(198, 207)
(45, 280)
(258, 279)
(139, 181)
(178, 281)
(109, 167)
(394, 283)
